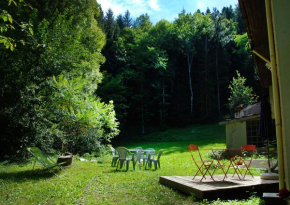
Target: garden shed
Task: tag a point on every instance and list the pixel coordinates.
(244, 128)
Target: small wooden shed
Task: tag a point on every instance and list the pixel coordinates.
(243, 128)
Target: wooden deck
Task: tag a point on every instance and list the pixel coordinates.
(231, 188)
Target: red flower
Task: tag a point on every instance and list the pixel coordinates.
(284, 193)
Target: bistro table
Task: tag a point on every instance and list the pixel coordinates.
(225, 165)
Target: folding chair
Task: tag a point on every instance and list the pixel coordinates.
(233, 156)
(246, 157)
(199, 162)
(44, 160)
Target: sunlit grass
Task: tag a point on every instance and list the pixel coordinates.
(99, 183)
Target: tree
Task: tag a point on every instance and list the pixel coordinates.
(224, 31)
(143, 22)
(171, 74)
(120, 21)
(111, 27)
(204, 82)
(33, 111)
(128, 22)
(7, 25)
(82, 123)
(161, 39)
(240, 93)
(239, 19)
(101, 19)
(186, 28)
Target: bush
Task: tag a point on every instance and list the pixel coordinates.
(240, 93)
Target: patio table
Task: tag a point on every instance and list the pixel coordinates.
(230, 154)
(142, 156)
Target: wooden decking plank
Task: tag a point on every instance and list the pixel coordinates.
(208, 187)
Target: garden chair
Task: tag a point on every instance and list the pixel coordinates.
(245, 159)
(115, 157)
(139, 156)
(44, 159)
(148, 152)
(125, 156)
(199, 162)
(156, 161)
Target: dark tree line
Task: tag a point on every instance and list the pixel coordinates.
(173, 74)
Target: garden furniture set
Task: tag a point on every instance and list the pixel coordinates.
(236, 158)
(123, 156)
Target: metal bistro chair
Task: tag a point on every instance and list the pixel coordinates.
(245, 159)
(199, 162)
(125, 156)
(115, 157)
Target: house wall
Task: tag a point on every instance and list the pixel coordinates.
(236, 133)
(281, 22)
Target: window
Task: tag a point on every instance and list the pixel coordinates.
(252, 133)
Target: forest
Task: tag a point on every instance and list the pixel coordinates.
(73, 74)
(173, 73)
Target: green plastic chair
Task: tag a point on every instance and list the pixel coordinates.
(125, 156)
(156, 161)
(115, 158)
(148, 152)
(139, 156)
(44, 159)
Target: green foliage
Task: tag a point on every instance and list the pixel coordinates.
(7, 25)
(78, 116)
(113, 90)
(240, 93)
(143, 22)
(155, 74)
(49, 87)
(243, 43)
(8, 42)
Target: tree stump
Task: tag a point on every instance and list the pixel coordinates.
(67, 159)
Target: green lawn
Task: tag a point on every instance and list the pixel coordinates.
(99, 183)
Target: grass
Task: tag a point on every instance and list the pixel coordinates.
(99, 183)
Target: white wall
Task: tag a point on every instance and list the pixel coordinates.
(281, 21)
(236, 133)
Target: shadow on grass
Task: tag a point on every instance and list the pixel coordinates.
(181, 147)
(110, 171)
(27, 175)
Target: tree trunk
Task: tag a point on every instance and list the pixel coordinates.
(218, 81)
(206, 77)
(142, 108)
(189, 63)
(162, 105)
